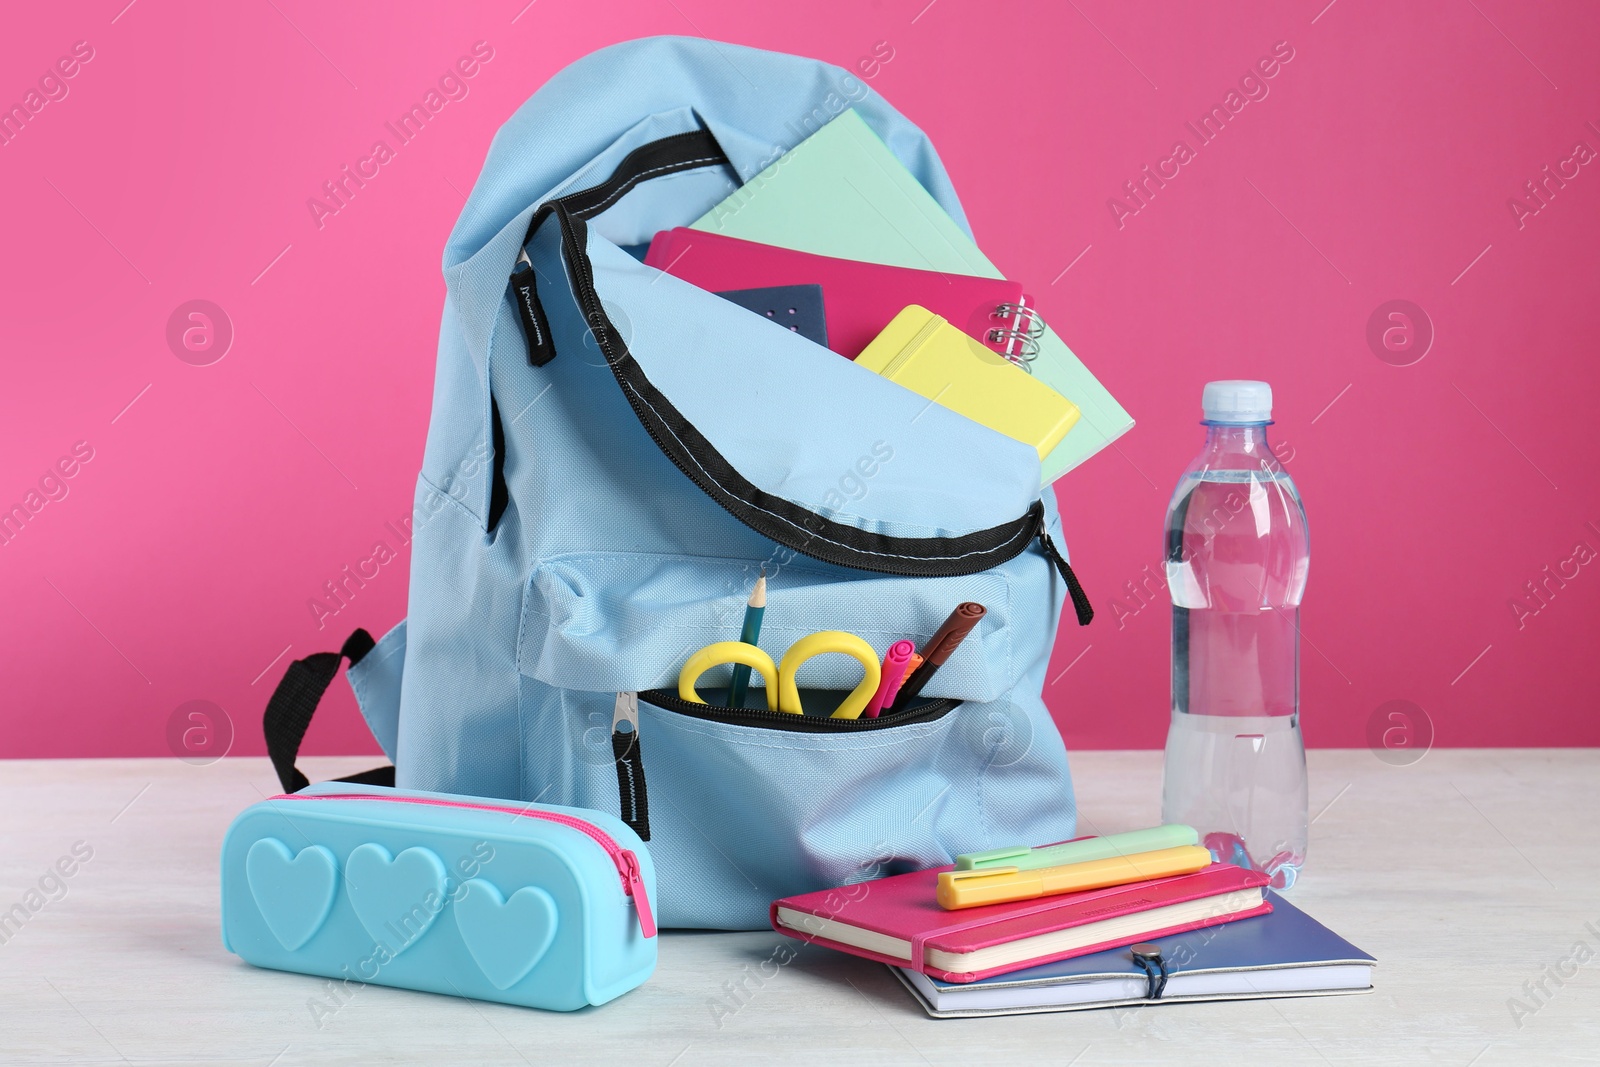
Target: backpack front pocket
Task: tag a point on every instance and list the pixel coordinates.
(743, 814)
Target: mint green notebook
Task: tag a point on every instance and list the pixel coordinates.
(841, 192)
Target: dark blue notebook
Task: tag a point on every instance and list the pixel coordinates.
(795, 307)
(1286, 953)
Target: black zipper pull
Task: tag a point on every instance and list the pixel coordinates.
(1080, 599)
(632, 800)
(541, 349)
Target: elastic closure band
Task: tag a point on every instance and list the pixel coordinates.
(1147, 957)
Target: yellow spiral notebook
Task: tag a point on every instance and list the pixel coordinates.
(924, 353)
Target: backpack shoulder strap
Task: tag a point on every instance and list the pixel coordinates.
(294, 702)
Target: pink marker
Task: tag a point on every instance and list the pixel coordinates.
(894, 672)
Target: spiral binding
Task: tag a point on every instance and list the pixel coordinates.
(1030, 315)
(1021, 341)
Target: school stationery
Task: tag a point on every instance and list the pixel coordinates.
(797, 308)
(593, 519)
(894, 672)
(859, 298)
(897, 920)
(924, 353)
(969, 889)
(1085, 848)
(751, 633)
(1282, 953)
(940, 647)
(841, 192)
(537, 905)
(783, 692)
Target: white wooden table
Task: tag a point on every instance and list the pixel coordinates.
(1467, 875)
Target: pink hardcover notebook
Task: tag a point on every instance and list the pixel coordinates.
(858, 299)
(896, 920)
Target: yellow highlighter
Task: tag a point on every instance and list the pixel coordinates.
(995, 885)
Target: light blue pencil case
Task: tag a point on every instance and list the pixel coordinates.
(537, 905)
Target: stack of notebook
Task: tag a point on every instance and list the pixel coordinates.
(1002, 932)
(838, 242)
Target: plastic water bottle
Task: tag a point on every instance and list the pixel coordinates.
(1237, 552)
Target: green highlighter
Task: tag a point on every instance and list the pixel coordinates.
(1088, 848)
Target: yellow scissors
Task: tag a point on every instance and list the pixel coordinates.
(783, 694)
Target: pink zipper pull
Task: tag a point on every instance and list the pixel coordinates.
(635, 886)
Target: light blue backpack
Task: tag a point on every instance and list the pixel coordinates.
(613, 457)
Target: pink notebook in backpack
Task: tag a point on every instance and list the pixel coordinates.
(896, 920)
(858, 298)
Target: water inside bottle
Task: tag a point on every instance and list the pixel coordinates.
(1244, 789)
(1236, 582)
(1237, 563)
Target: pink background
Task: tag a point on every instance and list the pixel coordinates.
(179, 563)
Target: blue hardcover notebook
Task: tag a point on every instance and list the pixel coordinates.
(795, 307)
(1286, 953)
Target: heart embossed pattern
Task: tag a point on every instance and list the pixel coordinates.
(293, 892)
(396, 898)
(507, 938)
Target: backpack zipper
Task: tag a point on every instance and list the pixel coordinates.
(1080, 600)
(1012, 544)
(669, 155)
(780, 520)
(632, 792)
(783, 720)
(535, 326)
(633, 798)
(626, 862)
